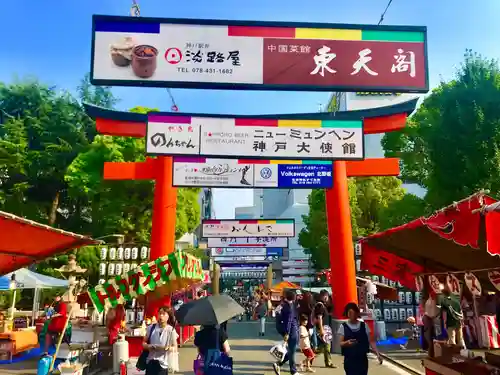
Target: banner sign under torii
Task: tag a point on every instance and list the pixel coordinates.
(243, 137)
(177, 270)
(246, 242)
(246, 228)
(219, 54)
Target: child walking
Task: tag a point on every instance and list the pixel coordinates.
(305, 345)
(415, 334)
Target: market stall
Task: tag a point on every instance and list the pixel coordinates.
(452, 247)
(166, 275)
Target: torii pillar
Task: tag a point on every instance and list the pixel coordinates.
(342, 264)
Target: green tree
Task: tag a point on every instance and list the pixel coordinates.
(451, 145)
(369, 198)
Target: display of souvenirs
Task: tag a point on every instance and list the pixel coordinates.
(112, 253)
(394, 314)
(401, 297)
(135, 253)
(104, 253)
(126, 254)
(102, 269)
(409, 299)
(126, 267)
(111, 269)
(119, 268)
(402, 314)
(387, 315)
(119, 253)
(144, 252)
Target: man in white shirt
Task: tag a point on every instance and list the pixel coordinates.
(160, 340)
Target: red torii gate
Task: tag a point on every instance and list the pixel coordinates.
(160, 169)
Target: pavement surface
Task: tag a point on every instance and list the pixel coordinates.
(249, 351)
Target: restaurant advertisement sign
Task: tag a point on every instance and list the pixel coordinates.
(245, 242)
(242, 137)
(247, 228)
(234, 173)
(219, 252)
(190, 53)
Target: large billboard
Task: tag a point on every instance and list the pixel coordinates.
(234, 173)
(243, 137)
(248, 228)
(245, 242)
(219, 54)
(221, 252)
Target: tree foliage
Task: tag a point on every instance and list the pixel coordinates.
(51, 169)
(451, 145)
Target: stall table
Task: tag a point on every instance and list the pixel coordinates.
(16, 342)
(457, 366)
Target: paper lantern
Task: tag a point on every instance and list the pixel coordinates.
(119, 268)
(409, 298)
(394, 314)
(127, 253)
(402, 314)
(401, 297)
(135, 253)
(112, 253)
(126, 267)
(104, 253)
(102, 269)
(119, 253)
(409, 312)
(144, 252)
(358, 249)
(111, 269)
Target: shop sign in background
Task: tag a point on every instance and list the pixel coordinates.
(238, 137)
(133, 51)
(220, 252)
(238, 242)
(248, 228)
(196, 172)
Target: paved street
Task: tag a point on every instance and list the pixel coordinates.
(250, 353)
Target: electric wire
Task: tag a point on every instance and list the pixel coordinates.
(384, 12)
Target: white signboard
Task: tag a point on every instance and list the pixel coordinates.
(203, 172)
(234, 252)
(250, 138)
(248, 228)
(240, 259)
(246, 242)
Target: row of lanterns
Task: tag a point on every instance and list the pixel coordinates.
(120, 253)
(453, 283)
(249, 275)
(112, 269)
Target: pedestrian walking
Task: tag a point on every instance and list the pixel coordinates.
(261, 312)
(305, 345)
(288, 326)
(322, 316)
(306, 307)
(355, 342)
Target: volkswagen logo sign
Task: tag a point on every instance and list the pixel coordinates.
(266, 173)
(219, 250)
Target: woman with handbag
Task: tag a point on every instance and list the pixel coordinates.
(159, 343)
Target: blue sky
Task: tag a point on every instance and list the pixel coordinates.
(52, 42)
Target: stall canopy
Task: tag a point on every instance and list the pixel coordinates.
(452, 239)
(284, 285)
(23, 242)
(26, 279)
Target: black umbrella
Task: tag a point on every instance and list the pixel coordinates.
(210, 310)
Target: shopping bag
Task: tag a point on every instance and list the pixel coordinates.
(278, 351)
(221, 366)
(173, 361)
(198, 365)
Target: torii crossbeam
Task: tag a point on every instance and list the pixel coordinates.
(343, 281)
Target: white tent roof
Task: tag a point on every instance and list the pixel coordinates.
(26, 279)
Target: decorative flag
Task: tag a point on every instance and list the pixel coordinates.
(178, 267)
(494, 277)
(419, 283)
(435, 284)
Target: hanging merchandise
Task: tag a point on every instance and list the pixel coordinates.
(473, 284)
(453, 284)
(112, 253)
(104, 252)
(435, 284)
(126, 254)
(119, 253)
(135, 253)
(494, 277)
(419, 283)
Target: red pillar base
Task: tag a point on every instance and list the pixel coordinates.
(342, 264)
